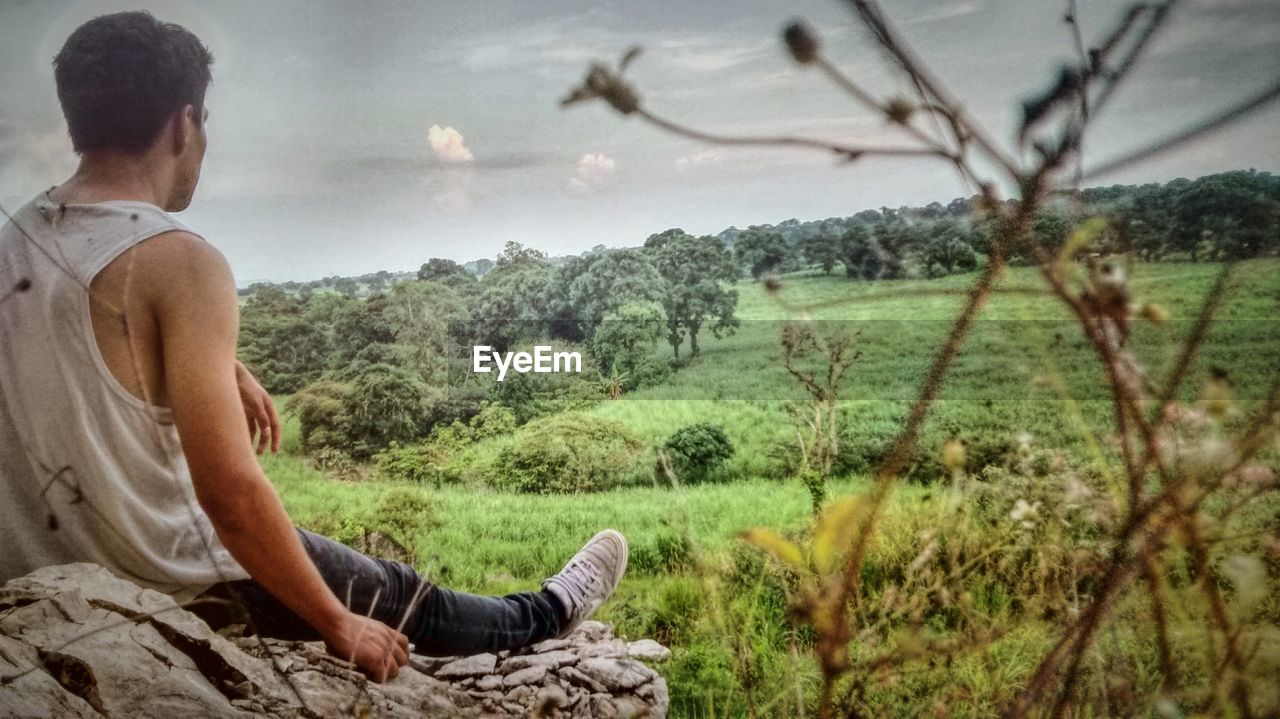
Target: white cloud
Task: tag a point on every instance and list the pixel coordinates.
(449, 145)
(594, 171)
(705, 158)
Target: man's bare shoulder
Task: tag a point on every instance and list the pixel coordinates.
(178, 264)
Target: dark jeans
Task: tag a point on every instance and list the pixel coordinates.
(438, 621)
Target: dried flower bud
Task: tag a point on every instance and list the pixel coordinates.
(953, 455)
(1154, 313)
(801, 42)
(899, 110)
(603, 83)
(1215, 397)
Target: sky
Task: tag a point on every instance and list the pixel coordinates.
(351, 137)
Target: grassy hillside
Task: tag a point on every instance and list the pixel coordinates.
(720, 605)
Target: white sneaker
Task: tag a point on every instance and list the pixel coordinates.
(589, 578)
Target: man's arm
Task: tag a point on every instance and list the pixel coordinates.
(193, 299)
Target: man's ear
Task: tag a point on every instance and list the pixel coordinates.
(181, 126)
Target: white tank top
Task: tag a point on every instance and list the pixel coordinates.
(88, 471)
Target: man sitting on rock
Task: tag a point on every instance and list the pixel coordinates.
(123, 438)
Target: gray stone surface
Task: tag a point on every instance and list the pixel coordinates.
(76, 641)
(648, 650)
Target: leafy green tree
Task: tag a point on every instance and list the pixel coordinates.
(513, 304)
(947, 250)
(347, 286)
(695, 271)
(386, 404)
(761, 250)
(279, 343)
(565, 322)
(438, 268)
(358, 324)
(873, 255)
(822, 250)
(612, 280)
(515, 255)
(627, 335)
(422, 315)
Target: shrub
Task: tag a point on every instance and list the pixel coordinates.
(697, 451)
(404, 513)
(321, 415)
(424, 463)
(386, 404)
(568, 453)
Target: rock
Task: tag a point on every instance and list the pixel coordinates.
(550, 660)
(549, 698)
(549, 645)
(528, 675)
(582, 680)
(490, 682)
(615, 648)
(648, 650)
(76, 641)
(615, 674)
(519, 694)
(468, 667)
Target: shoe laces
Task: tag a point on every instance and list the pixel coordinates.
(580, 577)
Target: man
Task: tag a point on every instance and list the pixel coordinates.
(123, 438)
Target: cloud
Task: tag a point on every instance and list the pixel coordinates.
(449, 145)
(594, 171)
(705, 158)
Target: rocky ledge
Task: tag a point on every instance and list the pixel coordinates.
(77, 641)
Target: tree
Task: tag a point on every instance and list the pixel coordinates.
(438, 268)
(612, 280)
(694, 271)
(386, 404)
(823, 250)
(347, 286)
(513, 304)
(761, 250)
(279, 343)
(422, 315)
(515, 254)
(871, 256)
(625, 337)
(947, 250)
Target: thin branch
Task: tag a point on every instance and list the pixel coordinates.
(849, 152)
(1194, 132)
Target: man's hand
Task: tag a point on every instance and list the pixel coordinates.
(378, 650)
(259, 410)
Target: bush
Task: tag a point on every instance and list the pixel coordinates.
(569, 453)
(697, 451)
(424, 463)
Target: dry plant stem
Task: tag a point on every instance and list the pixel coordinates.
(1218, 613)
(1199, 332)
(1194, 132)
(847, 84)
(849, 152)
(1155, 585)
(919, 73)
(887, 474)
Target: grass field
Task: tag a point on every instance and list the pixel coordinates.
(718, 604)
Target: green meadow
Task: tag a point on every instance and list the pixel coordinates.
(1026, 380)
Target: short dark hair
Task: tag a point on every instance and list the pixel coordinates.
(120, 77)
